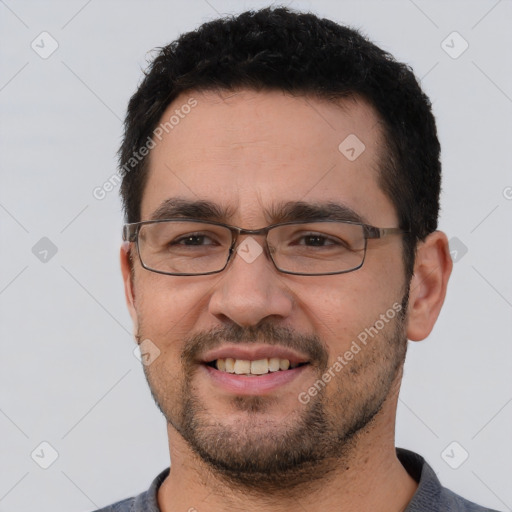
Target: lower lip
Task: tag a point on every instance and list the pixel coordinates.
(258, 385)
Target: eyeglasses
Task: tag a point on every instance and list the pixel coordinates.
(191, 247)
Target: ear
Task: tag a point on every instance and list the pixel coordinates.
(129, 291)
(432, 269)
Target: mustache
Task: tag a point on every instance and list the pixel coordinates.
(265, 332)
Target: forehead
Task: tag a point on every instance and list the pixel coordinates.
(248, 151)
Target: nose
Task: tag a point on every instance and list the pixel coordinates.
(250, 288)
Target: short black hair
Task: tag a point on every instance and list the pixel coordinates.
(301, 54)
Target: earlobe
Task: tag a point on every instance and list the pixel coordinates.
(432, 269)
(129, 291)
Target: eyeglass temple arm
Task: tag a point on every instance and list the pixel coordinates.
(130, 232)
(373, 232)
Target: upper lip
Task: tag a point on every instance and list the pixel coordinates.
(254, 352)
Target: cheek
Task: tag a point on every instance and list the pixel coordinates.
(168, 307)
(342, 308)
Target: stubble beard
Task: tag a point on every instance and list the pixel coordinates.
(261, 455)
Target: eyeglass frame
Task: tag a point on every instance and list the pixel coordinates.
(131, 234)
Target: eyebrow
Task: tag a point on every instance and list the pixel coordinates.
(302, 211)
(289, 211)
(202, 210)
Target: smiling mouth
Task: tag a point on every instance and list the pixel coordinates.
(253, 368)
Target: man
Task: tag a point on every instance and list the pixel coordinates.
(281, 183)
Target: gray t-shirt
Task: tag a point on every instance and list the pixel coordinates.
(430, 495)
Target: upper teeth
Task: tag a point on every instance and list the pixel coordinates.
(258, 367)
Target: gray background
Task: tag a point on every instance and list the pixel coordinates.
(68, 375)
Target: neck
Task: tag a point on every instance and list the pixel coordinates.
(369, 477)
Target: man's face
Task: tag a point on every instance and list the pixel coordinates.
(250, 154)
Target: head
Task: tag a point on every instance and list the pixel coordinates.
(245, 120)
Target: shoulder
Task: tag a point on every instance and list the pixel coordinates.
(144, 502)
(448, 500)
(120, 506)
(430, 495)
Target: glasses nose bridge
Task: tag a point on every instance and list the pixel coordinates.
(261, 231)
(236, 232)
